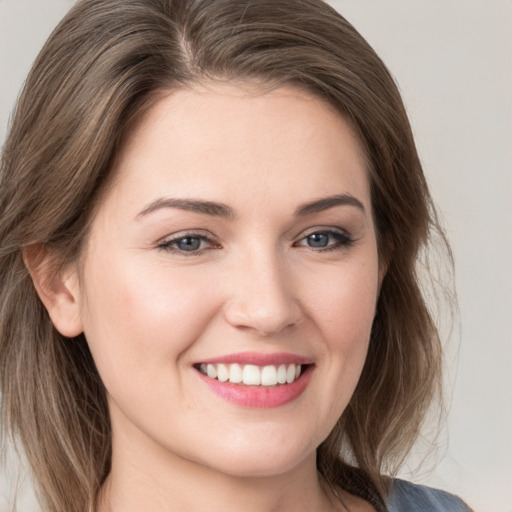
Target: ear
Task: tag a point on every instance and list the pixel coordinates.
(59, 291)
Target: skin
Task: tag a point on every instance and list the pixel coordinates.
(151, 312)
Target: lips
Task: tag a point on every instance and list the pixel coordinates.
(257, 380)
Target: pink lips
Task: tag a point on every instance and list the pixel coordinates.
(259, 396)
(259, 359)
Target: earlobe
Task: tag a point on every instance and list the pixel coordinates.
(58, 291)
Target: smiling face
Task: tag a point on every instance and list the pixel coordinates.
(235, 246)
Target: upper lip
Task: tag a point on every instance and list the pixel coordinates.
(259, 359)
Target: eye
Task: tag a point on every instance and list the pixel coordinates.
(188, 243)
(325, 240)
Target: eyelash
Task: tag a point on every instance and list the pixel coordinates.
(169, 244)
(341, 241)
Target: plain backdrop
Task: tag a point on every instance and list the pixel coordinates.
(452, 60)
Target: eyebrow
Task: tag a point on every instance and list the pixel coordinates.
(191, 205)
(223, 210)
(328, 202)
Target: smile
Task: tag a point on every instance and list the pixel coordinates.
(257, 380)
(252, 375)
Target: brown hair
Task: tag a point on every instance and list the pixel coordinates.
(93, 77)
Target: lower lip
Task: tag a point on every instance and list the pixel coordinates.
(264, 397)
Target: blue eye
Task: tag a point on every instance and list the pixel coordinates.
(318, 240)
(325, 240)
(187, 243)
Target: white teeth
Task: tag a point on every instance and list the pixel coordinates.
(211, 371)
(252, 375)
(235, 373)
(290, 374)
(269, 376)
(222, 373)
(281, 374)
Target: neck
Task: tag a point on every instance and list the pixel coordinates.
(185, 485)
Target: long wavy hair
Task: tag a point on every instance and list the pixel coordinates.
(99, 71)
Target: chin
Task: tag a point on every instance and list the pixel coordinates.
(250, 468)
(261, 459)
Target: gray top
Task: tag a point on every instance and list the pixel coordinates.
(408, 497)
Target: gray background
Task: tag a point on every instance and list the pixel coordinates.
(453, 62)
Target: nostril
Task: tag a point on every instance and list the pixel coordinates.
(264, 321)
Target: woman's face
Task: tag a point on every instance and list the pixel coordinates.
(236, 240)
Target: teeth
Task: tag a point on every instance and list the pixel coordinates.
(211, 371)
(252, 375)
(269, 376)
(235, 373)
(281, 374)
(290, 374)
(222, 372)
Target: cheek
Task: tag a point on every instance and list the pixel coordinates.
(140, 314)
(344, 313)
(343, 304)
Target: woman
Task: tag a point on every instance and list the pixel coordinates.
(211, 218)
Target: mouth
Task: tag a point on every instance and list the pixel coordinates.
(251, 374)
(257, 381)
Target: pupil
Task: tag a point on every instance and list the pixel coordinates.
(318, 240)
(189, 243)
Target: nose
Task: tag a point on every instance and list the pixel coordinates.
(261, 297)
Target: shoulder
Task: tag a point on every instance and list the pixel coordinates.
(409, 497)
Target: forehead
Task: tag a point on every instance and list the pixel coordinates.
(225, 141)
